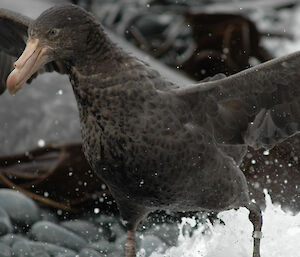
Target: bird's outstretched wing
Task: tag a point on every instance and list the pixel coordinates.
(13, 37)
(258, 107)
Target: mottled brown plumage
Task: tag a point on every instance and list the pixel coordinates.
(158, 145)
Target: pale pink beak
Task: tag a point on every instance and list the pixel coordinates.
(29, 62)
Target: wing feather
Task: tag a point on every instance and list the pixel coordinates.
(259, 107)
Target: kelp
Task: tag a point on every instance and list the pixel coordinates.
(57, 176)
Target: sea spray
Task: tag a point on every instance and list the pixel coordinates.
(281, 235)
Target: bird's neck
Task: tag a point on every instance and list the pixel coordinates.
(100, 55)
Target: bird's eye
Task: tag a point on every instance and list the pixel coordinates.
(53, 32)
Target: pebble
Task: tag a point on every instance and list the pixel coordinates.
(109, 227)
(47, 215)
(38, 249)
(20, 208)
(46, 231)
(5, 224)
(5, 250)
(82, 237)
(87, 230)
(10, 239)
(150, 244)
(166, 232)
(104, 247)
(67, 255)
(87, 252)
(21, 249)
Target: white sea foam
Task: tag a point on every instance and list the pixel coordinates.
(281, 236)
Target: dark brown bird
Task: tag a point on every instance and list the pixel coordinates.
(155, 144)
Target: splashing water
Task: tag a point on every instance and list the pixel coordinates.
(281, 235)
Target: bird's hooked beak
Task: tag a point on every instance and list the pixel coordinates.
(33, 57)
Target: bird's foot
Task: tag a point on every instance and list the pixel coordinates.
(255, 217)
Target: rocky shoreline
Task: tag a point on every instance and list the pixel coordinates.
(29, 230)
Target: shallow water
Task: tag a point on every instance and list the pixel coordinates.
(281, 235)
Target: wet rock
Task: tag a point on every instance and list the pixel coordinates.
(21, 249)
(117, 231)
(10, 239)
(104, 247)
(5, 224)
(52, 233)
(20, 208)
(87, 252)
(5, 250)
(121, 241)
(168, 233)
(110, 228)
(47, 215)
(67, 255)
(39, 249)
(150, 244)
(85, 229)
(104, 220)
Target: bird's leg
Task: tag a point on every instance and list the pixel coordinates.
(130, 244)
(132, 214)
(255, 217)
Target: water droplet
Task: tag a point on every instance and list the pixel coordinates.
(142, 182)
(41, 143)
(59, 92)
(256, 185)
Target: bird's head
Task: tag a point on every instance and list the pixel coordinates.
(59, 33)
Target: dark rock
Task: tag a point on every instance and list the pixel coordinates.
(37, 106)
(20, 208)
(49, 232)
